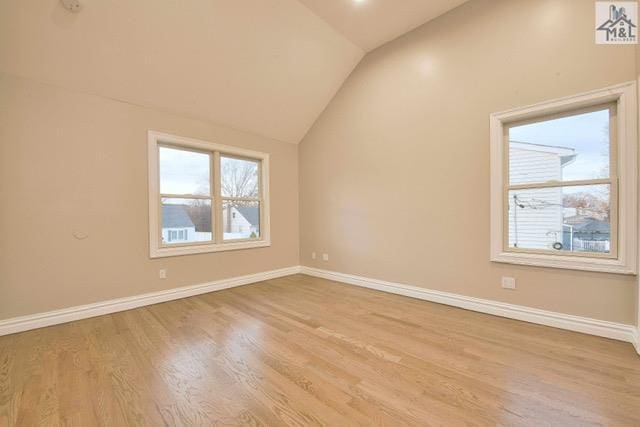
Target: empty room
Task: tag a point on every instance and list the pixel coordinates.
(319, 212)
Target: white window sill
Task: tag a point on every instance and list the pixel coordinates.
(604, 265)
(206, 248)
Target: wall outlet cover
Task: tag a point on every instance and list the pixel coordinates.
(508, 282)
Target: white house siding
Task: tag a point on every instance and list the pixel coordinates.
(239, 223)
(529, 165)
(539, 223)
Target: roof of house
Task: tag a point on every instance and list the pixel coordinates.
(577, 219)
(556, 149)
(593, 226)
(175, 216)
(250, 213)
(567, 154)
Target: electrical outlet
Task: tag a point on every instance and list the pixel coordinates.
(508, 283)
(162, 273)
(325, 257)
(313, 255)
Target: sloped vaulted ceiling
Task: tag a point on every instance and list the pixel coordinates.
(263, 66)
(371, 23)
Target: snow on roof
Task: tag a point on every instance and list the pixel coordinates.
(561, 151)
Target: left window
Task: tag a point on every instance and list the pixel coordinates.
(205, 197)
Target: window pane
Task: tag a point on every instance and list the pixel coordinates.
(184, 172)
(240, 220)
(569, 148)
(568, 219)
(186, 220)
(239, 177)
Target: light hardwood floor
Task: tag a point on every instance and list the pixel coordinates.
(306, 351)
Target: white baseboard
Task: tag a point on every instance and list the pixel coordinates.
(40, 320)
(617, 331)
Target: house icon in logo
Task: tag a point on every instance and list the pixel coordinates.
(619, 26)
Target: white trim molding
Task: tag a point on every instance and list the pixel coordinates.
(601, 328)
(617, 331)
(624, 96)
(40, 320)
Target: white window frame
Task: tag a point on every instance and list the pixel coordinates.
(625, 261)
(156, 248)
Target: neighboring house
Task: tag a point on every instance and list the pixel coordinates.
(535, 216)
(177, 226)
(586, 230)
(241, 221)
(592, 230)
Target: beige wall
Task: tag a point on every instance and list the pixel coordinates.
(406, 136)
(76, 162)
(395, 173)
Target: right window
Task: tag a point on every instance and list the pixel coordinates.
(562, 195)
(563, 182)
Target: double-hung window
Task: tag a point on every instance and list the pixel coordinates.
(205, 197)
(563, 177)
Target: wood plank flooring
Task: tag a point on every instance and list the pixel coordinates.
(306, 351)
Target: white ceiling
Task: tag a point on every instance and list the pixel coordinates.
(267, 67)
(371, 23)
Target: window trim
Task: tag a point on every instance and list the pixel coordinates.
(624, 97)
(156, 248)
